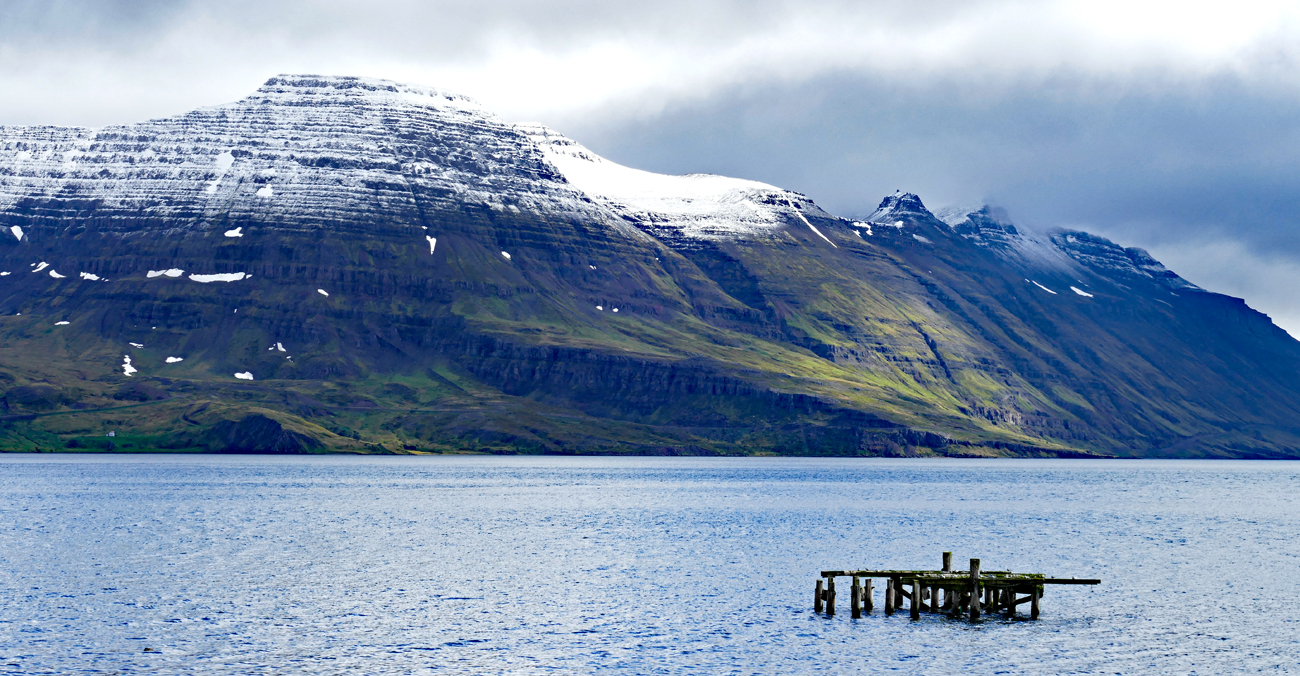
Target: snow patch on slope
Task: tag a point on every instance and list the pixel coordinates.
(694, 206)
(218, 277)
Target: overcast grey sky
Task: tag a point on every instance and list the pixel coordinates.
(1173, 126)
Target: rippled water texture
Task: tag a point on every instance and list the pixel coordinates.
(236, 564)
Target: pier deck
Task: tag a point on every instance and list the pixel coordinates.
(957, 593)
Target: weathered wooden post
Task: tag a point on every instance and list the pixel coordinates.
(855, 600)
(1033, 602)
(830, 596)
(817, 597)
(1010, 600)
(916, 599)
(974, 589)
(889, 596)
(947, 568)
(867, 592)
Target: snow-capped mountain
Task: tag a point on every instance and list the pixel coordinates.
(356, 264)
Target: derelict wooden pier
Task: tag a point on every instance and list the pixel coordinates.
(969, 593)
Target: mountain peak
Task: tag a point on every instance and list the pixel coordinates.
(1102, 254)
(346, 87)
(900, 207)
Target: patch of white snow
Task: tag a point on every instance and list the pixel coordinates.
(807, 223)
(55, 274)
(1042, 287)
(698, 206)
(62, 323)
(506, 255)
(173, 360)
(219, 277)
(224, 162)
(323, 292)
(433, 241)
(127, 368)
(246, 375)
(136, 345)
(17, 231)
(235, 233)
(280, 347)
(42, 266)
(921, 238)
(4, 274)
(174, 272)
(1081, 292)
(265, 191)
(91, 276)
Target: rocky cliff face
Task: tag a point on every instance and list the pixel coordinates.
(352, 264)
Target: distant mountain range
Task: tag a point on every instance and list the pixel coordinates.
(346, 264)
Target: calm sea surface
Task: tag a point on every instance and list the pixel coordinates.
(479, 565)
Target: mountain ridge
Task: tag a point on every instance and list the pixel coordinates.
(398, 270)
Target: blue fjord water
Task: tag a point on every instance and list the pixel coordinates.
(347, 565)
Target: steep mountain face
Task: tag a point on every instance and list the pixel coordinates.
(350, 264)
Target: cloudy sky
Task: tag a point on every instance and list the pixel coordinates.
(1170, 125)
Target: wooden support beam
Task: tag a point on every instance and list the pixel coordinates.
(947, 562)
(974, 589)
(818, 595)
(889, 596)
(1033, 603)
(868, 591)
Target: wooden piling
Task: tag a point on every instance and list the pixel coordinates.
(855, 599)
(817, 597)
(889, 596)
(974, 589)
(868, 592)
(830, 596)
(1009, 598)
(947, 562)
(916, 600)
(1033, 602)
